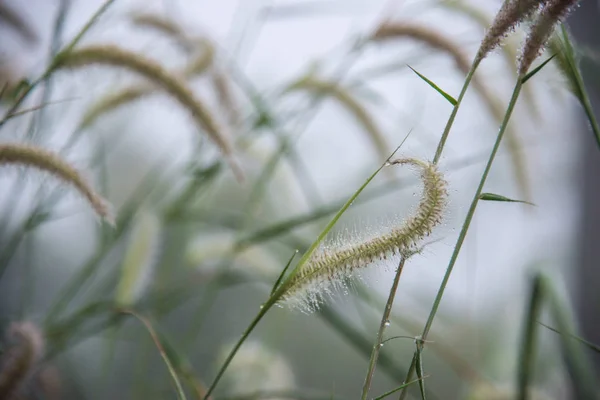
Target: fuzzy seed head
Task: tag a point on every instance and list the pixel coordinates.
(172, 84)
(511, 13)
(197, 66)
(553, 13)
(432, 38)
(111, 102)
(45, 160)
(25, 349)
(162, 25)
(328, 268)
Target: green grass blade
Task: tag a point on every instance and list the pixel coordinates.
(450, 99)
(537, 69)
(280, 277)
(161, 350)
(589, 344)
(528, 344)
(386, 394)
(570, 68)
(419, 368)
(497, 197)
(579, 367)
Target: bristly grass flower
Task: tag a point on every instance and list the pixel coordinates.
(553, 13)
(329, 267)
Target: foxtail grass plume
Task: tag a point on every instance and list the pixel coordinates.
(23, 351)
(328, 268)
(553, 13)
(140, 258)
(163, 26)
(432, 38)
(347, 100)
(511, 14)
(113, 100)
(115, 56)
(225, 96)
(37, 157)
(256, 368)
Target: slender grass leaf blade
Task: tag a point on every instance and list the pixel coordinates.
(537, 69)
(497, 197)
(450, 99)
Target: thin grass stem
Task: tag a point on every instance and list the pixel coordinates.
(385, 321)
(463, 91)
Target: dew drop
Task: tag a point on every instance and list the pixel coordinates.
(380, 345)
(387, 323)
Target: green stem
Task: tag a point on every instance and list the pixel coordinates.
(466, 224)
(527, 354)
(442, 143)
(385, 321)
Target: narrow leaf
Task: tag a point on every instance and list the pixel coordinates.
(419, 368)
(161, 350)
(450, 99)
(537, 69)
(386, 394)
(591, 345)
(280, 277)
(528, 344)
(497, 197)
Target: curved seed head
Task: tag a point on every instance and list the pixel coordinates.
(21, 357)
(115, 56)
(330, 267)
(42, 159)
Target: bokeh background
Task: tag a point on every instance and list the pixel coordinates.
(260, 47)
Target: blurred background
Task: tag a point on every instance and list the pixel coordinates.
(210, 246)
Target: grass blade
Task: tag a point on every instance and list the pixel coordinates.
(161, 350)
(497, 197)
(584, 381)
(589, 344)
(420, 368)
(569, 67)
(386, 394)
(527, 353)
(537, 69)
(280, 277)
(450, 99)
